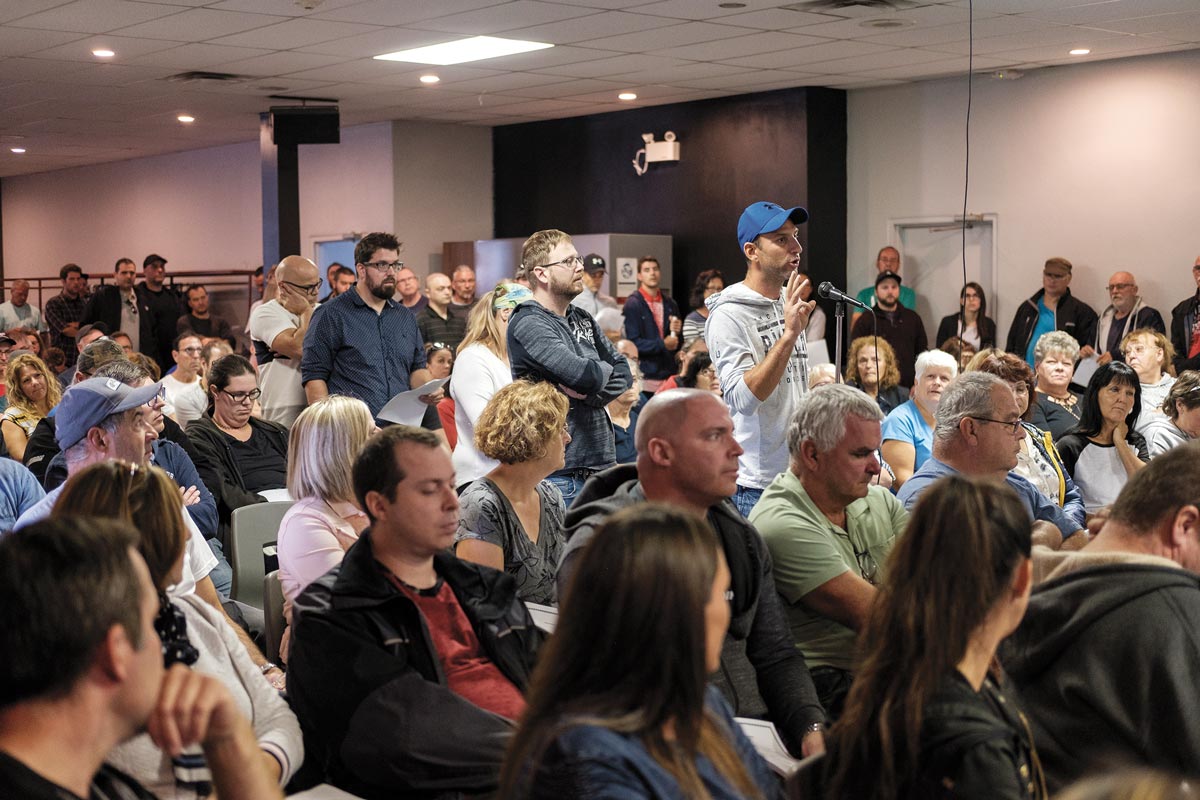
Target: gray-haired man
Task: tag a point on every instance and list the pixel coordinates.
(829, 529)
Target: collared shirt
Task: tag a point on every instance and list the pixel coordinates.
(360, 353)
(61, 311)
(449, 331)
(26, 316)
(808, 550)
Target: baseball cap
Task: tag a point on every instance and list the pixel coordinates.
(150, 259)
(885, 275)
(593, 264)
(86, 404)
(86, 329)
(763, 217)
(8, 340)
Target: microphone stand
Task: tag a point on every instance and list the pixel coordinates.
(839, 314)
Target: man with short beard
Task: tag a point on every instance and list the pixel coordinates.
(551, 340)
(364, 343)
(901, 327)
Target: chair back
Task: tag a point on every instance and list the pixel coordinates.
(252, 528)
(273, 612)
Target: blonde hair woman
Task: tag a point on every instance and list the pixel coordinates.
(325, 519)
(32, 391)
(481, 369)
(511, 519)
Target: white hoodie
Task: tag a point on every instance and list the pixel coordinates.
(742, 325)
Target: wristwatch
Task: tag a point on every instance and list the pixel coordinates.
(267, 667)
(816, 727)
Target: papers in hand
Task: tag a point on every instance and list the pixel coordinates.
(407, 408)
(1085, 369)
(766, 741)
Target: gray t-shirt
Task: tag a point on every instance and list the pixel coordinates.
(487, 515)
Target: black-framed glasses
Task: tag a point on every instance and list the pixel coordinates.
(1013, 425)
(868, 568)
(385, 266)
(570, 261)
(307, 288)
(1118, 287)
(159, 400)
(241, 397)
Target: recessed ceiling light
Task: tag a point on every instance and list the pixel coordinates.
(186, 118)
(476, 48)
(1080, 51)
(18, 150)
(102, 52)
(430, 79)
(627, 96)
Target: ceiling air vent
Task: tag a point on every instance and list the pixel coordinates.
(196, 76)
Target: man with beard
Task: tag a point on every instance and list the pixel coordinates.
(551, 340)
(363, 343)
(900, 326)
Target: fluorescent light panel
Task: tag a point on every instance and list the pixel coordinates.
(476, 48)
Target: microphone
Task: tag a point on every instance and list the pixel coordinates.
(827, 291)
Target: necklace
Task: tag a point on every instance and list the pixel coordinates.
(1068, 403)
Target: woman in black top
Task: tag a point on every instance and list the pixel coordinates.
(1057, 408)
(248, 454)
(926, 717)
(973, 325)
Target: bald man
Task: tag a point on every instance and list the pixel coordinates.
(687, 456)
(1125, 314)
(277, 329)
(440, 322)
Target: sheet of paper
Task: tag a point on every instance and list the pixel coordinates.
(545, 617)
(1085, 369)
(276, 495)
(406, 408)
(766, 741)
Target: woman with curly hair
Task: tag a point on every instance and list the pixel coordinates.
(927, 716)
(511, 519)
(871, 366)
(32, 391)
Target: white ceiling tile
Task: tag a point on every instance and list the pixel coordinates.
(545, 106)
(1053, 35)
(609, 5)
(572, 88)
(116, 74)
(934, 69)
(506, 81)
(496, 19)
(807, 55)
(198, 56)
(26, 69)
(682, 71)
(919, 37)
(1101, 49)
(1102, 12)
(543, 59)
(359, 70)
(400, 12)
(280, 63)
(603, 67)
(294, 33)
(282, 8)
(584, 29)
(687, 33)
(15, 9)
(18, 42)
(95, 16)
(1022, 6)
(125, 47)
(384, 40)
(871, 61)
(198, 25)
(775, 19)
(750, 44)
(1159, 23)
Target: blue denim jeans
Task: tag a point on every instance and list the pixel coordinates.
(222, 573)
(570, 483)
(745, 499)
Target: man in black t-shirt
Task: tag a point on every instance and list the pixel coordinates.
(83, 671)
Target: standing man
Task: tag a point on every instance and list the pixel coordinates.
(17, 312)
(1053, 308)
(652, 322)
(755, 333)
(593, 299)
(830, 527)
(363, 343)
(440, 321)
(1125, 314)
(409, 290)
(464, 288)
(165, 303)
(901, 327)
(65, 310)
(1185, 328)
(888, 260)
(121, 308)
(277, 330)
(199, 320)
(551, 340)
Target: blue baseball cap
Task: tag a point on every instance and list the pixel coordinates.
(763, 217)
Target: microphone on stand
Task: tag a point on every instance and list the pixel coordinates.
(827, 291)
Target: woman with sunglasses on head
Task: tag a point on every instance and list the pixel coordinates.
(249, 455)
(1103, 451)
(927, 716)
(481, 370)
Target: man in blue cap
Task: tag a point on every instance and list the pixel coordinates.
(755, 333)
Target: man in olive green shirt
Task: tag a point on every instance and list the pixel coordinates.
(829, 527)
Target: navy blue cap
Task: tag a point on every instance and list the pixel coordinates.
(763, 217)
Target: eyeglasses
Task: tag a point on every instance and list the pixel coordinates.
(159, 400)
(1012, 426)
(867, 566)
(309, 288)
(191, 351)
(1119, 287)
(570, 261)
(385, 266)
(241, 397)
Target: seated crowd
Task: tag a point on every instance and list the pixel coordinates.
(592, 554)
